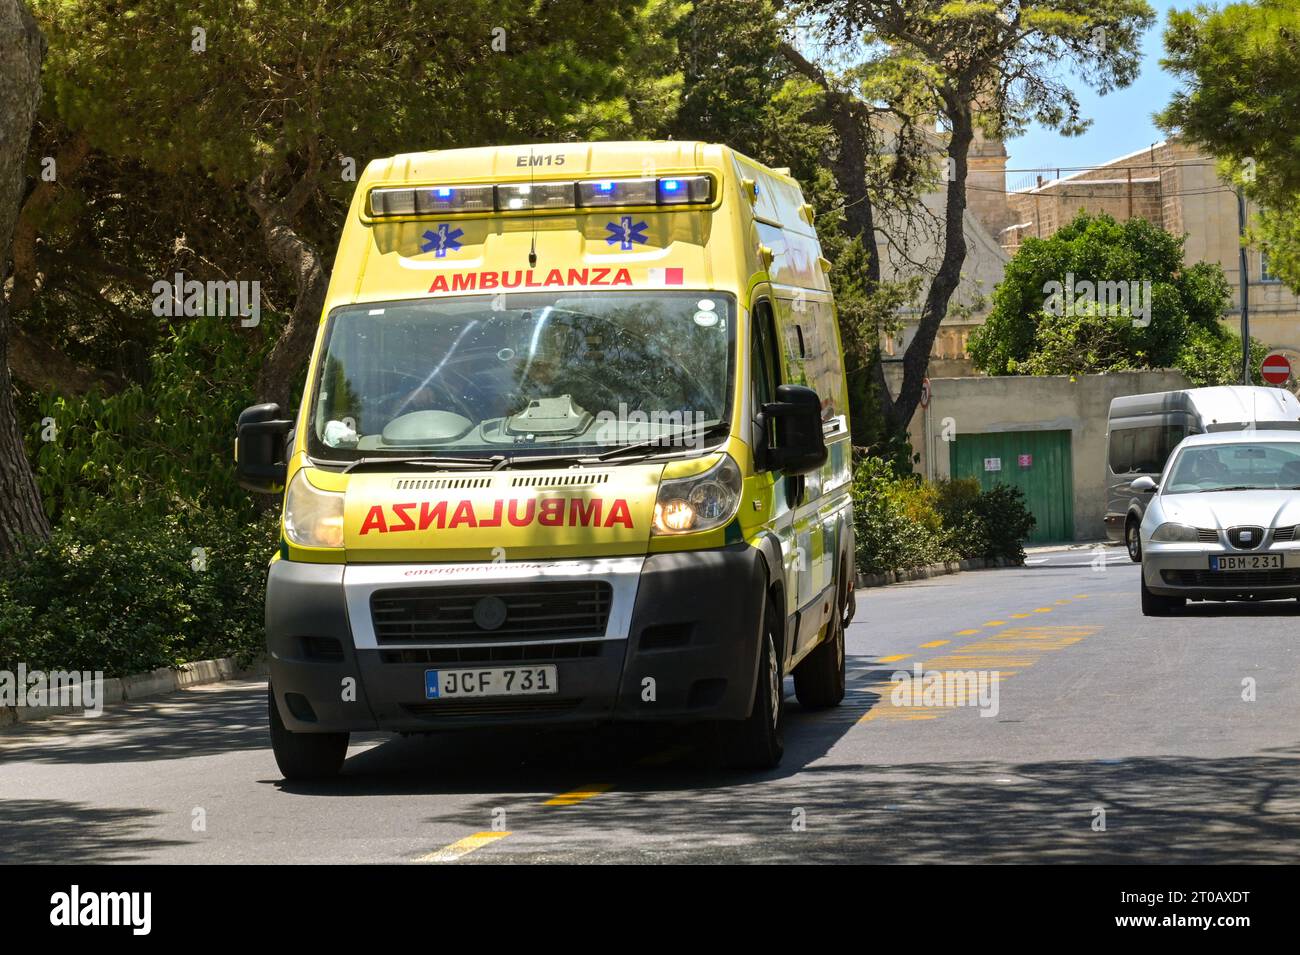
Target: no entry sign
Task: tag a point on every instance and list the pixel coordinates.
(1275, 369)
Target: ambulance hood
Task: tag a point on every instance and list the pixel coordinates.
(500, 515)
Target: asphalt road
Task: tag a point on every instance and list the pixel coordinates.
(1098, 709)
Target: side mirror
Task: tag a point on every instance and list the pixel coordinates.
(259, 448)
(792, 425)
(1143, 485)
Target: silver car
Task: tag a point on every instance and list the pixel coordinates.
(1222, 524)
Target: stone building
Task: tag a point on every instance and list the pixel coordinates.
(1174, 185)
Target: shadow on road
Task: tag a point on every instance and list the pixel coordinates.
(1158, 810)
(190, 723)
(53, 831)
(661, 806)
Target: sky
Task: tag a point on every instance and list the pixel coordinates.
(1121, 120)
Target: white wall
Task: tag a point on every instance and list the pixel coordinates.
(1078, 404)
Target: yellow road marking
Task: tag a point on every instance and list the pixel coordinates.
(1007, 653)
(1042, 610)
(966, 633)
(1064, 601)
(575, 796)
(1080, 596)
(1019, 616)
(893, 659)
(934, 643)
(463, 847)
(994, 623)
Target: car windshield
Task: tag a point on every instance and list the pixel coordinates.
(523, 373)
(1266, 465)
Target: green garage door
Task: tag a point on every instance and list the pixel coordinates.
(1037, 462)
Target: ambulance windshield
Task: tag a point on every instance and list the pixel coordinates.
(511, 374)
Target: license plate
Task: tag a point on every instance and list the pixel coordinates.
(487, 681)
(1227, 562)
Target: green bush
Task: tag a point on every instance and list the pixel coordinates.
(895, 523)
(989, 524)
(1212, 356)
(902, 522)
(124, 592)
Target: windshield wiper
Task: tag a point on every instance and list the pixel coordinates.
(423, 461)
(502, 462)
(662, 441)
(1233, 487)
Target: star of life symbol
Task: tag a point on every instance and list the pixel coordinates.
(439, 242)
(625, 233)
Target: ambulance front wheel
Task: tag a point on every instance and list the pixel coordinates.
(758, 742)
(304, 755)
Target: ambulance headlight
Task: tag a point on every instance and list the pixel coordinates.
(312, 517)
(701, 502)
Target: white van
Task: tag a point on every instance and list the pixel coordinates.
(1143, 430)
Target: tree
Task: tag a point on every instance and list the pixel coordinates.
(1100, 296)
(21, 49)
(1241, 100)
(280, 101)
(995, 64)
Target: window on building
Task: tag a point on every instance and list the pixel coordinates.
(1264, 274)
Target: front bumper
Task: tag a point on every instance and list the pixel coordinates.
(681, 643)
(1183, 570)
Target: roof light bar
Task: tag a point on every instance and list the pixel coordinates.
(538, 196)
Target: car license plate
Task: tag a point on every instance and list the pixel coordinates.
(488, 681)
(1225, 562)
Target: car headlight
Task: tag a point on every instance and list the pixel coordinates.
(700, 502)
(312, 517)
(1171, 533)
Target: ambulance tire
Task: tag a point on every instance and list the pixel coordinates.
(758, 742)
(303, 756)
(819, 677)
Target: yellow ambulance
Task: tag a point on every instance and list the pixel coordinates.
(574, 448)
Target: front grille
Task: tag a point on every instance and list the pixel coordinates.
(559, 480)
(472, 656)
(486, 709)
(1284, 533)
(441, 484)
(1245, 538)
(562, 608)
(1207, 536)
(1233, 580)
